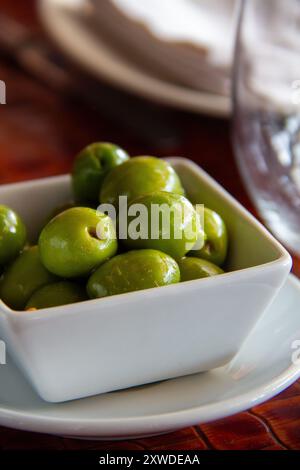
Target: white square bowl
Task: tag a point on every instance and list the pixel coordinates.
(131, 339)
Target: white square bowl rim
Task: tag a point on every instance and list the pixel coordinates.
(283, 259)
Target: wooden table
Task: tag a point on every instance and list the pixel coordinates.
(39, 135)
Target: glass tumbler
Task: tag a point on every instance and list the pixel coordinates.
(266, 122)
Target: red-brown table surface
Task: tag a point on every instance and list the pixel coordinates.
(39, 135)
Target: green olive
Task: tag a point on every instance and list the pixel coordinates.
(133, 271)
(23, 277)
(196, 268)
(54, 295)
(12, 235)
(70, 245)
(139, 176)
(216, 239)
(90, 168)
(161, 221)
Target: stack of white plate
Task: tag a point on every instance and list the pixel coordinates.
(190, 42)
(175, 52)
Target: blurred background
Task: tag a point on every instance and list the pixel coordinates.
(69, 83)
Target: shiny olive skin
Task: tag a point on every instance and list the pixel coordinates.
(62, 208)
(139, 176)
(196, 268)
(133, 271)
(90, 168)
(175, 236)
(69, 244)
(23, 277)
(12, 235)
(54, 295)
(216, 244)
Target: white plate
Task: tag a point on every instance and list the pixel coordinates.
(66, 22)
(262, 369)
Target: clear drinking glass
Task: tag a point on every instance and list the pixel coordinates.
(267, 112)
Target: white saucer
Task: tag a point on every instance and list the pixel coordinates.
(66, 22)
(262, 369)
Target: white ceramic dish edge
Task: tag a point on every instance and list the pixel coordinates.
(150, 424)
(39, 369)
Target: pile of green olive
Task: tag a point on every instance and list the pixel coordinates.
(72, 262)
